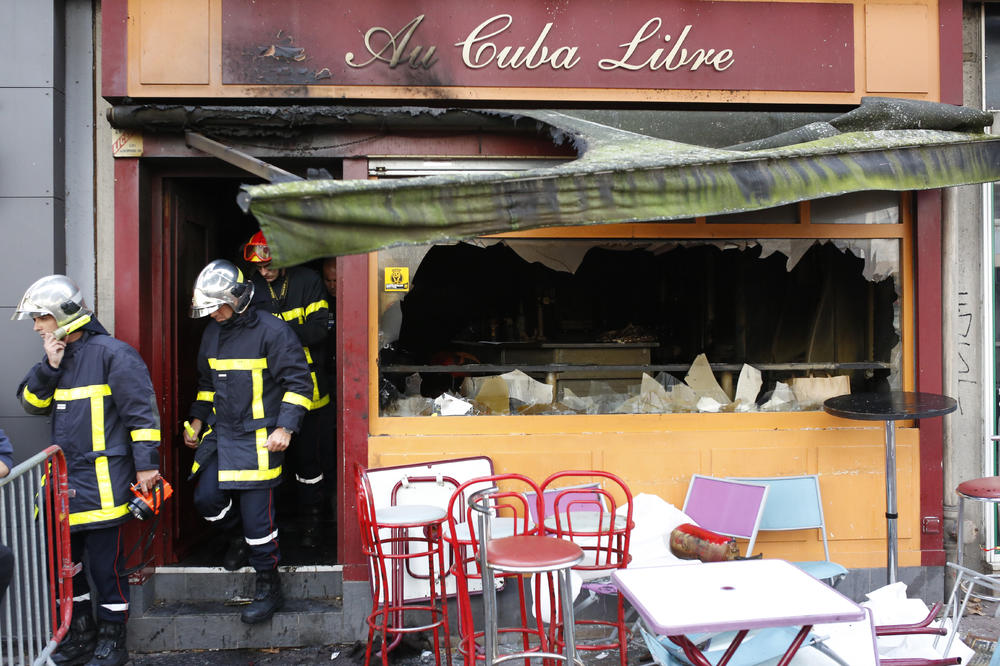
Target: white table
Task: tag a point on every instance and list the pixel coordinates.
(732, 596)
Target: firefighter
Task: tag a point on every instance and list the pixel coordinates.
(253, 390)
(297, 296)
(100, 398)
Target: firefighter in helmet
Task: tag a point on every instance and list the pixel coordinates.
(253, 389)
(98, 393)
(297, 296)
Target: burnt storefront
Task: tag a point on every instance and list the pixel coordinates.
(648, 238)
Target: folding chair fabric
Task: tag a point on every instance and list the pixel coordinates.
(725, 506)
(795, 503)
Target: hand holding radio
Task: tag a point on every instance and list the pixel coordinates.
(54, 348)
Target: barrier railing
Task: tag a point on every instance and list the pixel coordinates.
(35, 612)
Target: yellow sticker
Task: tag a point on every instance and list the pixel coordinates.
(397, 278)
(126, 143)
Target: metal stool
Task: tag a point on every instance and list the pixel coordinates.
(389, 541)
(520, 554)
(986, 490)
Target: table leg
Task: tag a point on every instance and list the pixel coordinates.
(890, 500)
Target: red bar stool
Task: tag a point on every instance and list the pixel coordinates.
(527, 551)
(392, 538)
(986, 490)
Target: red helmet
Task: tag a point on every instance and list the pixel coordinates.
(256, 250)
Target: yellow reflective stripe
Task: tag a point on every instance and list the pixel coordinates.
(249, 474)
(295, 314)
(146, 435)
(206, 396)
(97, 515)
(237, 363)
(101, 464)
(195, 467)
(315, 395)
(34, 400)
(83, 392)
(258, 393)
(309, 358)
(322, 402)
(296, 399)
(263, 459)
(317, 305)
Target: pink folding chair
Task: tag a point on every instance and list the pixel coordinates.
(730, 508)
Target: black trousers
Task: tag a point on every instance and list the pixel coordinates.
(254, 508)
(307, 452)
(102, 552)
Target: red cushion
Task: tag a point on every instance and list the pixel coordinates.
(985, 488)
(525, 553)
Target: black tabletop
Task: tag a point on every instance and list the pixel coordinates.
(894, 405)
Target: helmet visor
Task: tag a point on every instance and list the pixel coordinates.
(256, 253)
(202, 305)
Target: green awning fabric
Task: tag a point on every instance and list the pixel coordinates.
(618, 177)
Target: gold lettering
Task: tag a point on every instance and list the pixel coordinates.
(393, 51)
(478, 51)
(678, 57)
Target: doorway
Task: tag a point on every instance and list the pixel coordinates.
(196, 220)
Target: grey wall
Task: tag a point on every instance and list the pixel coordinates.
(32, 187)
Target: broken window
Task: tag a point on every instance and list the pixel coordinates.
(608, 325)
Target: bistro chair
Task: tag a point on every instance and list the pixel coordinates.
(598, 518)
(794, 503)
(392, 537)
(727, 507)
(517, 550)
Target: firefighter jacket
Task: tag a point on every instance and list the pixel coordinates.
(253, 378)
(299, 298)
(105, 419)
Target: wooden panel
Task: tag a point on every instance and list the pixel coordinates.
(850, 462)
(174, 40)
(898, 51)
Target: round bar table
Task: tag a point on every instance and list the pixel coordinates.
(889, 408)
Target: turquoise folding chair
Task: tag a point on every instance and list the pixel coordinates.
(794, 503)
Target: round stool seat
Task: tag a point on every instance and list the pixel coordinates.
(985, 489)
(408, 515)
(532, 553)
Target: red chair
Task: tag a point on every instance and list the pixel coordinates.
(392, 538)
(598, 518)
(511, 553)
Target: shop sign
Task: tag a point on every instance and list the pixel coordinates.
(397, 278)
(626, 44)
(126, 143)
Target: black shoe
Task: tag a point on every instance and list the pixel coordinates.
(237, 554)
(110, 650)
(78, 645)
(267, 599)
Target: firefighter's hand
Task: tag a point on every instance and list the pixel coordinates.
(146, 479)
(54, 348)
(192, 441)
(278, 440)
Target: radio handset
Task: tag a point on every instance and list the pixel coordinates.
(63, 331)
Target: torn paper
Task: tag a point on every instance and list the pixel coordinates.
(702, 380)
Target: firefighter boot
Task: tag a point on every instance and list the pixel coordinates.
(110, 650)
(78, 645)
(237, 554)
(267, 599)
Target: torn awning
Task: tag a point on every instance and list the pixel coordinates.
(618, 177)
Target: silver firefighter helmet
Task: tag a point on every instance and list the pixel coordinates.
(55, 295)
(220, 283)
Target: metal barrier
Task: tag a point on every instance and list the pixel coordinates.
(35, 612)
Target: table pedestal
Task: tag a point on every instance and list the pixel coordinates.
(891, 515)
